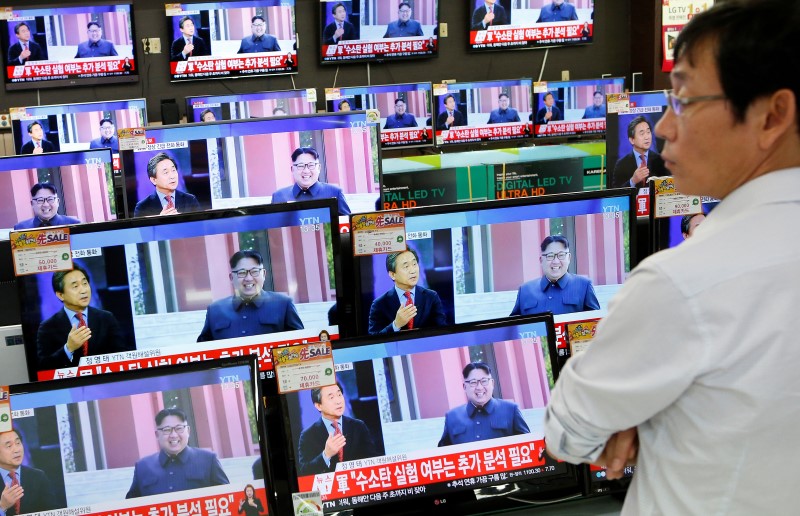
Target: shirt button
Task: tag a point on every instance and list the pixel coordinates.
(477, 422)
(244, 317)
(242, 332)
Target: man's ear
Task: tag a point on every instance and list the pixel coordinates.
(152, 180)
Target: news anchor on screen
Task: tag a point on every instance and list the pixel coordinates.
(258, 41)
(25, 49)
(550, 112)
(251, 310)
(95, 46)
(451, 116)
(334, 437)
(22, 489)
(176, 466)
(307, 186)
(557, 11)
(635, 167)
(400, 118)
(76, 330)
(482, 417)
(167, 199)
(38, 143)
(404, 27)
(108, 137)
(188, 44)
(44, 201)
(339, 29)
(503, 114)
(557, 291)
(407, 305)
(489, 14)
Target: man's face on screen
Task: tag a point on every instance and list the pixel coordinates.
(187, 29)
(95, 33)
(478, 393)
(331, 405)
(166, 180)
(400, 108)
(11, 451)
(47, 209)
(77, 291)
(37, 133)
(251, 284)
(173, 435)
(450, 103)
(259, 27)
(404, 14)
(107, 130)
(305, 171)
(23, 34)
(598, 99)
(502, 102)
(642, 137)
(549, 100)
(406, 271)
(340, 14)
(557, 267)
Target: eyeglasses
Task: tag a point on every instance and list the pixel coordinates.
(254, 272)
(405, 11)
(42, 200)
(474, 383)
(678, 103)
(95, 31)
(550, 256)
(306, 166)
(259, 25)
(178, 429)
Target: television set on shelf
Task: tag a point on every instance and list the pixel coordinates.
(404, 109)
(630, 131)
(244, 38)
(162, 290)
(93, 444)
(52, 46)
(572, 108)
(484, 260)
(357, 32)
(70, 188)
(478, 112)
(507, 25)
(70, 127)
(408, 450)
(261, 104)
(227, 164)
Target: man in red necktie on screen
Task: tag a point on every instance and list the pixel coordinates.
(406, 305)
(339, 29)
(489, 14)
(22, 489)
(25, 49)
(162, 170)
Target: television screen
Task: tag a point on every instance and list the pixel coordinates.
(56, 189)
(236, 106)
(473, 112)
(381, 31)
(69, 127)
(244, 38)
(244, 162)
(48, 46)
(499, 25)
(145, 442)
(486, 260)
(631, 122)
(671, 231)
(184, 288)
(405, 110)
(572, 108)
(404, 445)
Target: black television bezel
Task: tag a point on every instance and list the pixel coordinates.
(507, 496)
(85, 81)
(144, 222)
(189, 98)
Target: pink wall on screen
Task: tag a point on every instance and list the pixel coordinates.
(85, 192)
(15, 196)
(228, 433)
(299, 265)
(115, 28)
(268, 162)
(348, 160)
(521, 373)
(239, 21)
(517, 243)
(439, 373)
(606, 264)
(128, 428)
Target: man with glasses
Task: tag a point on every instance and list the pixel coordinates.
(251, 310)
(44, 201)
(504, 113)
(404, 27)
(306, 168)
(692, 374)
(557, 290)
(259, 41)
(176, 466)
(635, 167)
(95, 46)
(108, 137)
(162, 170)
(482, 416)
(38, 143)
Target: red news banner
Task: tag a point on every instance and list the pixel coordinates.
(395, 47)
(231, 64)
(491, 132)
(524, 34)
(398, 136)
(575, 127)
(398, 476)
(93, 68)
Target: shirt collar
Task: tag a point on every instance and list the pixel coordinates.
(401, 294)
(562, 282)
(7, 476)
(329, 424)
(71, 315)
(182, 457)
(488, 408)
(313, 190)
(238, 302)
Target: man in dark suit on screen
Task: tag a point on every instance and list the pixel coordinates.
(491, 13)
(22, 489)
(38, 144)
(108, 138)
(451, 116)
(634, 168)
(188, 44)
(334, 437)
(77, 330)
(406, 305)
(340, 29)
(25, 49)
(167, 199)
(259, 40)
(44, 201)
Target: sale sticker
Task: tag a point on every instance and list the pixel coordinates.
(379, 233)
(41, 250)
(670, 203)
(302, 367)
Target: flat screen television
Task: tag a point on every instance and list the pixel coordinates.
(69, 127)
(93, 444)
(245, 38)
(238, 106)
(50, 46)
(484, 261)
(355, 32)
(504, 25)
(403, 400)
(631, 122)
(671, 231)
(162, 290)
(70, 188)
(572, 108)
(228, 164)
(404, 109)
(476, 112)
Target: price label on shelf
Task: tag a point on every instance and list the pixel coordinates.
(379, 233)
(41, 250)
(306, 366)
